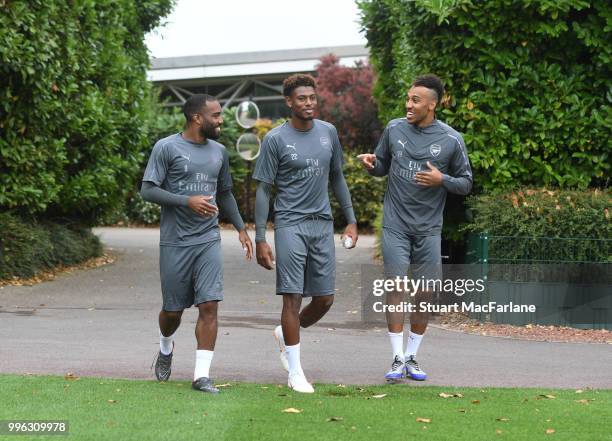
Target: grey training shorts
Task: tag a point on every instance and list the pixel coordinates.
(422, 254)
(190, 275)
(306, 258)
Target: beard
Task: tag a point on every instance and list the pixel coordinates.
(210, 132)
(303, 116)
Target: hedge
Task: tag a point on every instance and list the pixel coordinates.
(544, 224)
(28, 247)
(527, 81)
(73, 113)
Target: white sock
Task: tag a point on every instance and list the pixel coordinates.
(166, 344)
(293, 356)
(202, 365)
(414, 340)
(397, 343)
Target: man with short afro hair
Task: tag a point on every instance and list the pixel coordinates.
(298, 80)
(301, 158)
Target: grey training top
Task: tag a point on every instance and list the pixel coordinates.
(402, 151)
(300, 163)
(186, 168)
(225, 201)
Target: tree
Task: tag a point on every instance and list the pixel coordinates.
(346, 101)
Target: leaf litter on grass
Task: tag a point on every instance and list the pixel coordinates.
(445, 395)
(334, 419)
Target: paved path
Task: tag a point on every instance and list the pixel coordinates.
(102, 322)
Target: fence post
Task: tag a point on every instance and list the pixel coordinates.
(484, 271)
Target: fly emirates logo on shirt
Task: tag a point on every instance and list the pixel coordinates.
(200, 183)
(311, 169)
(306, 167)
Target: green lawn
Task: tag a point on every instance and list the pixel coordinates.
(99, 408)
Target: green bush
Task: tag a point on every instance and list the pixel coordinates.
(378, 220)
(551, 213)
(73, 109)
(551, 225)
(142, 212)
(28, 247)
(528, 81)
(161, 122)
(366, 191)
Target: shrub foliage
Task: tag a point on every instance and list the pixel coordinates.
(73, 108)
(528, 81)
(346, 101)
(28, 247)
(530, 221)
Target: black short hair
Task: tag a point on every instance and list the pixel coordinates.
(298, 80)
(195, 103)
(432, 82)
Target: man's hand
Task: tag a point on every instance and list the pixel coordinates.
(351, 230)
(247, 245)
(264, 255)
(431, 178)
(368, 160)
(200, 205)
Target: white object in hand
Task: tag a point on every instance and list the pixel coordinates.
(348, 242)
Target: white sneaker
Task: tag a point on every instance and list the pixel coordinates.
(397, 371)
(413, 370)
(299, 383)
(278, 335)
